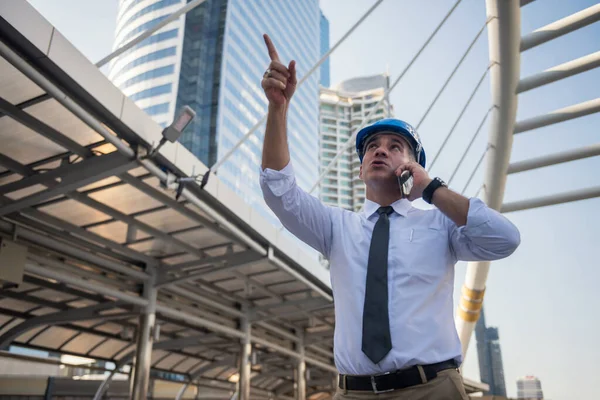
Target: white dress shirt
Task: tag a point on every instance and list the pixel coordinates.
(424, 247)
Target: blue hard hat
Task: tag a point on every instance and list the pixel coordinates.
(393, 126)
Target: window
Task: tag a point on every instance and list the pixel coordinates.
(155, 73)
(152, 7)
(157, 55)
(156, 38)
(157, 109)
(142, 28)
(154, 91)
(130, 6)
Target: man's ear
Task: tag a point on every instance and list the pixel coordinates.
(360, 172)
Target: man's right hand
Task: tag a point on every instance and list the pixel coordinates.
(279, 82)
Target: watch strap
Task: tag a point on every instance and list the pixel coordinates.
(435, 184)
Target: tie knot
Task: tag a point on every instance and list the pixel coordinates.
(385, 210)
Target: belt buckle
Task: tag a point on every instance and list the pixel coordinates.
(374, 384)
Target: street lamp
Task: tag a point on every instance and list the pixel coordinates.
(173, 131)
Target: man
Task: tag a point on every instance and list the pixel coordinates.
(392, 265)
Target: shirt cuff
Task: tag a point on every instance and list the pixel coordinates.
(478, 213)
(278, 182)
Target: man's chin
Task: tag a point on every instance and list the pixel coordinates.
(381, 177)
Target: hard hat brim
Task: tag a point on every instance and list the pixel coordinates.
(393, 128)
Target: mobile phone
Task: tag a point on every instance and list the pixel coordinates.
(405, 181)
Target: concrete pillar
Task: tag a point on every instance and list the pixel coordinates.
(140, 374)
(244, 381)
(300, 383)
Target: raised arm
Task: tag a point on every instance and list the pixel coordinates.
(279, 84)
(302, 214)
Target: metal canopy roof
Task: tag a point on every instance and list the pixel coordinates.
(99, 226)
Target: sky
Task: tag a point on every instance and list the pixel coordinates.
(544, 298)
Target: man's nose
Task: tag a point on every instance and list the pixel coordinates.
(381, 151)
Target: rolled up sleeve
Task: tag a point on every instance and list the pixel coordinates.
(487, 235)
(305, 216)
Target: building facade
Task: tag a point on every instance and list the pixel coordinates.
(343, 109)
(213, 59)
(324, 39)
(529, 387)
(491, 368)
(148, 73)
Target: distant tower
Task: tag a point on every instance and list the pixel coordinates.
(342, 110)
(491, 369)
(529, 387)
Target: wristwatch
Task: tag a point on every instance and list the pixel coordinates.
(435, 184)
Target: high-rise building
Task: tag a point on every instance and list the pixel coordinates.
(491, 369)
(325, 75)
(342, 110)
(213, 59)
(148, 73)
(529, 387)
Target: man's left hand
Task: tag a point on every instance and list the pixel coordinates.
(420, 179)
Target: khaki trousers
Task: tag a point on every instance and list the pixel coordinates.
(447, 385)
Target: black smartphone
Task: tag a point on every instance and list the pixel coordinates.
(405, 181)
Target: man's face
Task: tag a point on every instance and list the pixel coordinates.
(383, 154)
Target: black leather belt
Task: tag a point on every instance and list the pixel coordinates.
(394, 380)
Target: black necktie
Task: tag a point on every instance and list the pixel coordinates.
(376, 341)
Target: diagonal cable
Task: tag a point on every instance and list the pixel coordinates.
(451, 75)
(469, 146)
(364, 121)
(459, 117)
(475, 169)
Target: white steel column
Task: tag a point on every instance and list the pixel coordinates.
(504, 41)
(145, 338)
(244, 381)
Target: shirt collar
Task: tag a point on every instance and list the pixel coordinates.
(400, 206)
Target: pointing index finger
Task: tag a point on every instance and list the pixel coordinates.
(271, 47)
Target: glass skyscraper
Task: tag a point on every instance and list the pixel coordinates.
(213, 59)
(148, 73)
(491, 368)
